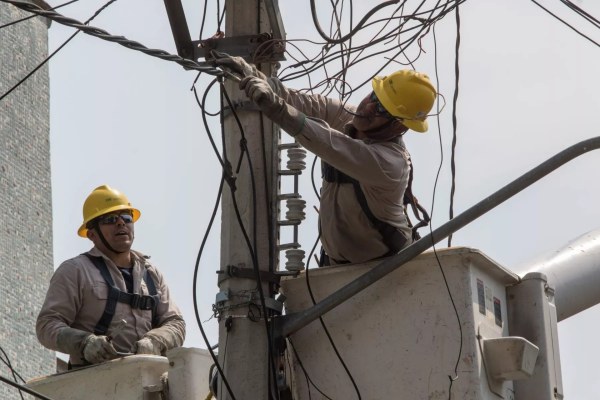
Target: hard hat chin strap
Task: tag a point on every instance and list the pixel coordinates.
(105, 242)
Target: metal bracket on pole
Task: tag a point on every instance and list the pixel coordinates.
(233, 271)
(179, 27)
(254, 48)
(275, 18)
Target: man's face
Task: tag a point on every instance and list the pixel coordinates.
(370, 114)
(117, 229)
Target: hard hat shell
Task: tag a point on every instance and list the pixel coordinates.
(104, 200)
(408, 95)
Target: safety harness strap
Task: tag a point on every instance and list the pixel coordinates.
(392, 237)
(142, 302)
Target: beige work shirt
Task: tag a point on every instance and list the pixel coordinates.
(77, 296)
(382, 169)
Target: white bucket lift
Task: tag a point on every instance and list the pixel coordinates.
(400, 337)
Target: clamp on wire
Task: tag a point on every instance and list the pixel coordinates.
(226, 73)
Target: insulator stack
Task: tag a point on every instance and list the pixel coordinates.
(296, 159)
(295, 210)
(295, 205)
(295, 259)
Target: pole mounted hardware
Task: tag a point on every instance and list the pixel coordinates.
(264, 47)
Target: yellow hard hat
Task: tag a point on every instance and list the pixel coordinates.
(104, 200)
(408, 95)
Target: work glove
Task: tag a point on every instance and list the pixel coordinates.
(237, 65)
(260, 92)
(97, 349)
(147, 345)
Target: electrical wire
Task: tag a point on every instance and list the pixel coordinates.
(35, 15)
(210, 348)
(289, 339)
(40, 65)
(439, 263)
(454, 123)
(121, 40)
(330, 339)
(565, 23)
(6, 360)
(24, 388)
(354, 30)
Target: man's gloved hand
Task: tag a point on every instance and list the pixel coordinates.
(287, 117)
(260, 92)
(237, 65)
(97, 349)
(147, 345)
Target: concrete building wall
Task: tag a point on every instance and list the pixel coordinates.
(26, 262)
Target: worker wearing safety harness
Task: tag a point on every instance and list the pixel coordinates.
(110, 301)
(366, 168)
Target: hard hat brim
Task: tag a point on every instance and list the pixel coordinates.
(82, 231)
(416, 125)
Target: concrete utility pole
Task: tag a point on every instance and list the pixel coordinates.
(243, 342)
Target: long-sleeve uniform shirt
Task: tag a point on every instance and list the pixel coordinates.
(382, 169)
(77, 297)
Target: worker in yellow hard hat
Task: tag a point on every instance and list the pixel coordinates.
(366, 167)
(111, 301)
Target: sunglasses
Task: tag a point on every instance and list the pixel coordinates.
(379, 108)
(112, 219)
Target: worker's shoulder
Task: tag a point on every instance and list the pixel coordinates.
(144, 260)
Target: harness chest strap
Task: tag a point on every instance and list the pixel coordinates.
(391, 236)
(115, 295)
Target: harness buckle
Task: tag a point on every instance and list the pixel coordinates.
(142, 302)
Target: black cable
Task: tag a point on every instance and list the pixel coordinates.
(203, 20)
(354, 30)
(35, 15)
(24, 388)
(337, 353)
(13, 372)
(289, 339)
(121, 40)
(564, 22)
(201, 251)
(454, 123)
(40, 65)
(452, 378)
(590, 18)
(195, 298)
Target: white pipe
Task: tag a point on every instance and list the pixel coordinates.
(574, 274)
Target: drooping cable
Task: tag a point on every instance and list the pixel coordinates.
(6, 360)
(35, 15)
(121, 40)
(329, 338)
(567, 24)
(454, 123)
(24, 388)
(455, 377)
(210, 348)
(40, 65)
(306, 372)
(354, 30)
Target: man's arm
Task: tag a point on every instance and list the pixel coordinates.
(170, 332)
(59, 309)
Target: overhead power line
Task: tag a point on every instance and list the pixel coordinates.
(40, 65)
(34, 15)
(123, 41)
